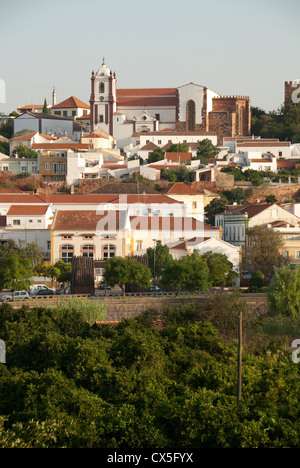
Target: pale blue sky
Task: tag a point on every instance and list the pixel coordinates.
(233, 47)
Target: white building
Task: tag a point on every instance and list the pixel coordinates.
(46, 124)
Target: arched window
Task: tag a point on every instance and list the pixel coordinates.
(87, 250)
(190, 116)
(66, 253)
(101, 87)
(108, 251)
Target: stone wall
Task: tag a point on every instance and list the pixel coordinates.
(130, 307)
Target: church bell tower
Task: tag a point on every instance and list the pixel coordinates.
(103, 99)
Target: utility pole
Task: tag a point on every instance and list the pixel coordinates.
(240, 349)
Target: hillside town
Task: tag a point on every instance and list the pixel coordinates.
(149, 227)
(138, 167)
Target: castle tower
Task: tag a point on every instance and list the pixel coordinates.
(292, 91)
(103, 99)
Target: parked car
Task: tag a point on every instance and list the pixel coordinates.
(19, 295)
(45, 292)
(103, 285)
(155, 288)
(40, 287)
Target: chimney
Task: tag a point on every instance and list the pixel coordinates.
(53, 97)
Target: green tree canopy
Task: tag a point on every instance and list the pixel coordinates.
(156, 155)
(23, 152)
(158, 259)
(263, 251)
(217, 205)
(189, 273)
(206, 150)
(284, 292)
(221, 271)
(122, 271)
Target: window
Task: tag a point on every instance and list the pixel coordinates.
(88, 236)
(286, 254)
(298, 254)
(56, 168)
(67, 236)
(73, 113)
(139, 245)
(280, 153)
(5, 168)
(48, 245)
(157, 116)
(63, 168)
(101, 87)
(47, 166)
(67, 253)
(194, 204)
(87, 250)
(159, 142)
(16, 222)
(65, 113)
(108, 251)
(101, 118)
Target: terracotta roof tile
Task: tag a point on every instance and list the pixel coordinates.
(27, 210)
(180, 188)
(88, 220)
(178, 157)
(71, 102)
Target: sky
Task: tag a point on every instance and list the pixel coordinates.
(234, 47)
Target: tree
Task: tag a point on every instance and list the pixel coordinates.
(23, 152)
(190, 273)
(236, 195)
(206, 150)
(177, 148)
(15, 270)
(65, 271)
(284, 292)
(217, 205)
(34, 252)
(53, 272)
(263, 251)
(124, 271)
(221, 271)
(158, 259)
(156, 155)
(46, 109)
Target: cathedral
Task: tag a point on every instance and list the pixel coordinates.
(188, 108)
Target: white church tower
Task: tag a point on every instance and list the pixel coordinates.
(103, 99)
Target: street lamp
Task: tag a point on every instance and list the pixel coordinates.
(154, 251)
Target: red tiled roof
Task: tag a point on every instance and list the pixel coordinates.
(70, 103)
(95, 135)
(141, 92)
(147, 97)
(172, 223)
(180, 188)
(61, 146)
(263, 143)
(20, 198)
(87, 220)
(178, 157)
(149, 146)
(27, 210)
(27, 136)
(147, 199)
(252, 209)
